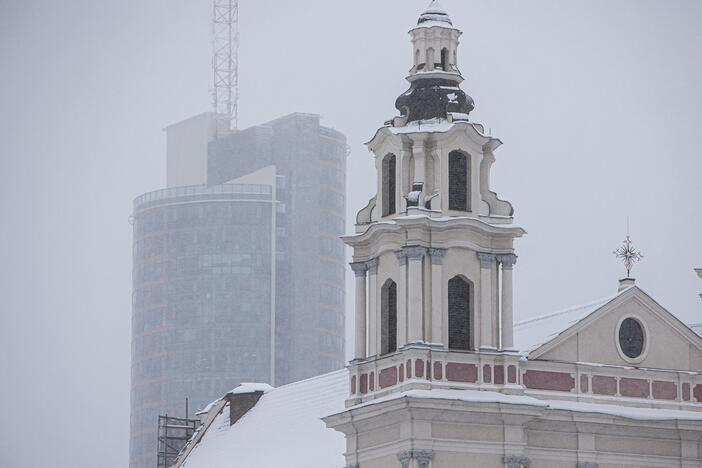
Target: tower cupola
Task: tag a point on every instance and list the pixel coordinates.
(434, 13)
(434, 78)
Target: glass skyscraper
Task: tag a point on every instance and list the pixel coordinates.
(240, 278)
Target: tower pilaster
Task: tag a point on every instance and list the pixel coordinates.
(487, 271)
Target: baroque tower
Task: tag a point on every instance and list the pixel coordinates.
(433, 251)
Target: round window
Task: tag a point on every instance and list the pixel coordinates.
(631, 338)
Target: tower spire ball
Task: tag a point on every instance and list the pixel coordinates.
(627, 253)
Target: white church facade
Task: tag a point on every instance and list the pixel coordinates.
(442, 375)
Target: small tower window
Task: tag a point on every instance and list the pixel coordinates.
(388, 185)
(459, 181)
(430, 59)
(388, 318)
(416, 57)
(444, 59)
(460, 307)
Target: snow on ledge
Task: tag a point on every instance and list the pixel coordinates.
(478, 396)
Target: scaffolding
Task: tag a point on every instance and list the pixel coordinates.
(173, 433)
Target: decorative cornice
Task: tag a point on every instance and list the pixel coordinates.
(486, 259)
(516, 461)
(437, 256)
(372, 266)
(360, 268)
(507, 261)
(587, 465)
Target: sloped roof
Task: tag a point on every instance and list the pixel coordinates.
(283, 429)
(531, 333)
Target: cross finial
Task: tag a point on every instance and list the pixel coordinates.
(627, 253)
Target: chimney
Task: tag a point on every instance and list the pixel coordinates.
(626, 283)
(243, 398)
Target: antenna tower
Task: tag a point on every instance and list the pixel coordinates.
(225, 61)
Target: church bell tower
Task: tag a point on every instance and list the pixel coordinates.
(433, 251)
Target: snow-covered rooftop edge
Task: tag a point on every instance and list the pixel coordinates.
(481, 396)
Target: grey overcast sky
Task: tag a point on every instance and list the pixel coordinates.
(597, 103)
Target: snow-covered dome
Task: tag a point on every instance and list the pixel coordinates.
(435, 13)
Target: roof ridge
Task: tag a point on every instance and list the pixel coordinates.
(309, 379)
(602, 301)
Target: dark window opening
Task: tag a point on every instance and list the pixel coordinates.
(631, 338)
(389, 185)
(444, 59)
(459, 179)
(460, 303)
(388, 326)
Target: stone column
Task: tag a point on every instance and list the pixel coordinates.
(487, 262)
(360, 269)
(507, 262)
(414, 254)
(437, 296)
(373, 299)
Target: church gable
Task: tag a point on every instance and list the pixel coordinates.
(630, 330)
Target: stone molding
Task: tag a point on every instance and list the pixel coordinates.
(372, 266)
(587, 465)
(359, 268)
(486, 259)
(437, 256)
(516, 461)
(352, 465)
(423, 458)
(507, 261)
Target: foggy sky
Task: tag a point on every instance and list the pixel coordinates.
(597, 103)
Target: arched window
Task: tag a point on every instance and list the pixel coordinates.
(444, 59)
(459, 181)
(389, 185)
(388, 317)
(460, 309)
(416, 57)
(430, 58)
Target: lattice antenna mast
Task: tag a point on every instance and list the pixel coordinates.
(225, 61)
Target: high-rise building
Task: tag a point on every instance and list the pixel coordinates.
(239, 276)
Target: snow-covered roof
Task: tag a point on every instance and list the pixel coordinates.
(531, 333)
(431, 126)
(283, 428)
(434, 14)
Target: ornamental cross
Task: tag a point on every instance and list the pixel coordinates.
(628, 254)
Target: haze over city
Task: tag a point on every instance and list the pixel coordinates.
(597, 104)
